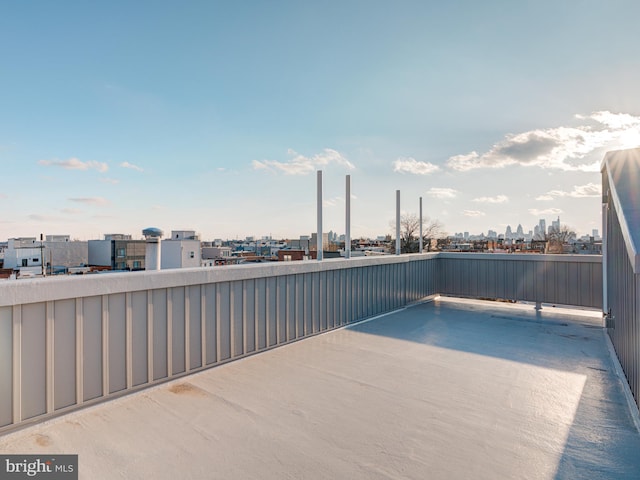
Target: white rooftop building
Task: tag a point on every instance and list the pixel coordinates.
(181, 250)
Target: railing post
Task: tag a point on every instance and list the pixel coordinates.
(347, 236)
(397, 222)
(319, 204)
(420, 250)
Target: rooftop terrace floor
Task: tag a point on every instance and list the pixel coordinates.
(445, 389)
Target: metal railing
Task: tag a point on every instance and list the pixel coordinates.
(70, 342)
(555, 279)
(74, 341)
(621, 222)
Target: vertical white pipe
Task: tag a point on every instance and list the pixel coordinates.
(347, 236)
(319, 229)
(152, 254)
(605, 255)
(397, 222)
(420, 224)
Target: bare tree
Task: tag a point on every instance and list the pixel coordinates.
(557, 237)
(410, 233)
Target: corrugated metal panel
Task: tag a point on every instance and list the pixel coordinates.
(623, 287)
(539, 278)
(248, 316)
(64, 353)
(33, 348)
(92, 347)
(195, 325)
(139, 333)
(117, 343)
(128, 338)
(6, 363)
(211, 323)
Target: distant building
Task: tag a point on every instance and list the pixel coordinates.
(542, 229)
(216, 252)
(304, 243)
(34, 257)
(3, 248)
(24, 254)
(296, 255)
(313, 244)
(181, 250)
(117, 251)
(62, 253)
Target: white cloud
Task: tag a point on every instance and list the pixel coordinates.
(473, 213)
(496, 199)
(71, 211)
(548, 211)
(579, 191)
(301, 165)
(91, 200)
(42, 218)
(75, 164)
(131, 166)
(332, 202)
(544, 198)
(442, 192)
(564, 148)
(112, 181)
(411, 165)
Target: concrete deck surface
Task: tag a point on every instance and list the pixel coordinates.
(446, 389)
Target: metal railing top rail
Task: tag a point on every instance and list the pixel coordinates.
(534, 257)
(56, 288)
(622, 169)
(16, 292)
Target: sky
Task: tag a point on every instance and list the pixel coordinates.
(214, 116)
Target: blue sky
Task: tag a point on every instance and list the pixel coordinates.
(214, 116)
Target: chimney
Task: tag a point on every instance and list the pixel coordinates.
(152, 255)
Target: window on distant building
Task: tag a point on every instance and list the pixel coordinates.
(24, 262)
(192, 255)
(120, 252)
(137, 264)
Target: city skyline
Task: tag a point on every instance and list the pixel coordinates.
(215, 117)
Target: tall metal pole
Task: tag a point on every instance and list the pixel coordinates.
(420, 225)
(397, 222)
(347, 236)
(319, 230)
